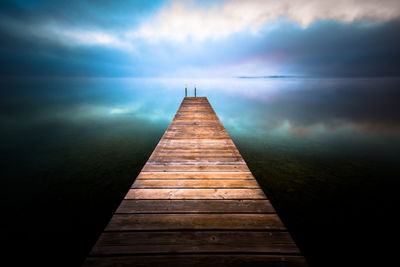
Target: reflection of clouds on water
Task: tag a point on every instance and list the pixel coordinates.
(354, 115)
(118, 111)
(93, 112)
(315, 106)
(302, 107)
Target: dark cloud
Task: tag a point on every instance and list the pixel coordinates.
(329, 48)
(105, 14)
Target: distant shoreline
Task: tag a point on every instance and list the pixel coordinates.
(270, 77)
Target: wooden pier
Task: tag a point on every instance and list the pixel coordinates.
(195, 203)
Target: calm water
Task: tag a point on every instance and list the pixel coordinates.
(326, 151)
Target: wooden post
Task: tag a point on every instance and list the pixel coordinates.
(185, 90)
(194, 90)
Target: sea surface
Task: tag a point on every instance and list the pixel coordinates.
(326, 152)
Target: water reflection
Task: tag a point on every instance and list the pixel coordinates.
(296, 107)
(351, 112)
(70, 148)
(268, 103)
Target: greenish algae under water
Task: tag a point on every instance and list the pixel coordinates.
(324, 150)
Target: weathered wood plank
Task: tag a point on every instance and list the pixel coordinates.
(190, 142)
(195, 206)
(196, 123)
(200, 152)
(194, 241)
(189, 163)
(195, 136)
(130, 222)
(206, 168)
(196, 148)
(197, 128)
(194, 160)
(195, 175)
(195, 184)
(195, 194)
(228, 156)
(199, 260)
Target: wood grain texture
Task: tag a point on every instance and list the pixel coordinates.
(130, 222)
(162, 184)
(194, 168)
(194, 241)
(195, 194)
(215, 260)
(195, 203)
(195, 206)
(195, 175)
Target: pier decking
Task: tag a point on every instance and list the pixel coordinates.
(195, 203)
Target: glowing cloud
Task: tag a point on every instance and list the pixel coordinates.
(186, 20)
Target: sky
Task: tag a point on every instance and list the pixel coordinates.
(338, 38)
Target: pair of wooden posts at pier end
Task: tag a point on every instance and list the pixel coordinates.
(195, 93)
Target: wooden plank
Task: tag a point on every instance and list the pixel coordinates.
(191, 168)
(190, 142)
(210, 131)
(199, 260)
(194, 241)
(195, 175)
(195, 136)
(196, 148)
(199, 117)
(212, 164)
(199, 142)
(155, 159)
(196, 162)
(195, 206)
(173, 155)
(197, 152)
(209, 134)
(130, 222)
(195, 194)
(197, 128)
(201, 156)
(195, 184)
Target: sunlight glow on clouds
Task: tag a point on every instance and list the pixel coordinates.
(183, 20)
